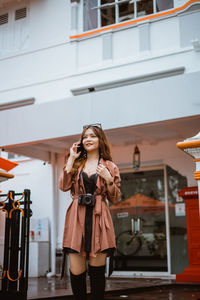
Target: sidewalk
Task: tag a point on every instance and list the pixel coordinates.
(122, 288)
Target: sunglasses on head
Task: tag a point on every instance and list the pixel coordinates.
(92, 125)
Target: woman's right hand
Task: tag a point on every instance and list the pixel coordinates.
(72, 156)
(73, 150)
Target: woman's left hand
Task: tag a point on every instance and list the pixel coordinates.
(104, 173)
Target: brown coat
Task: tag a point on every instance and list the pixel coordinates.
(103, 236)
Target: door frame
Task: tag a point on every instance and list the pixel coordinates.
(142, 274)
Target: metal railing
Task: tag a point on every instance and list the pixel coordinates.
(14, 277)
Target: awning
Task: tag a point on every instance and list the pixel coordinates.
(4, 176)
(6, 165)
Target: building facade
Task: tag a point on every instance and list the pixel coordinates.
(134, 67)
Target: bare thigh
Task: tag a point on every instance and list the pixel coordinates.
(77, 263)
(99, 260)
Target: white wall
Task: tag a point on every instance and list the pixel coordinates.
(49, 22)
(52, 65)
(35, 176)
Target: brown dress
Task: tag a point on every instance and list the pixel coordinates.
(103, 236)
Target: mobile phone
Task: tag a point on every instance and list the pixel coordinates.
(80, 147)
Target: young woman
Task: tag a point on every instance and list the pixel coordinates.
(92, 177)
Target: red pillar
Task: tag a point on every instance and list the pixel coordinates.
(192, 272)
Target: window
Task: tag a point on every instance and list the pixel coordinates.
(90, 14)
(3, 19)
(13, 29)
(144, 7)
(126, 10)
(100, 13)
(164, 5)
(20, 13)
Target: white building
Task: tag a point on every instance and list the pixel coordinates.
(133, 66)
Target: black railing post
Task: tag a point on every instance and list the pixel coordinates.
(22, 254)
(7, 241)
(27, 212)
(16, 245)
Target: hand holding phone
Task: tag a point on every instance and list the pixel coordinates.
(74, 150)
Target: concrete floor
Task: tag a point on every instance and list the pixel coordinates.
(139, 289)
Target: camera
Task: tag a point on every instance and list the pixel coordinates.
(87, 199)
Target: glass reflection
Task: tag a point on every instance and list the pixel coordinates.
(142, 248)
(178, 227)
(164, 5)
(108, 13)
(126, 11)
(90, 14)
(144, 7)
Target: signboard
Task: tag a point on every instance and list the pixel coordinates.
(180, 209)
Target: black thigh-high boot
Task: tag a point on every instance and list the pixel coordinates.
(78, 284)
(97, 282)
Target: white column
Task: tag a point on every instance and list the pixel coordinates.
(168, 238)
(54, 212)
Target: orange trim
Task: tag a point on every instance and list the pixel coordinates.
(16, 207)
(197, 175)
(11, 197)
(3, 204)
(188, 144)
(6, 175)
(6, 164)
(165, 13)
(11, 279)
(4, 274)
(196, 159)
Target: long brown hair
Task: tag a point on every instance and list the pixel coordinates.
(104, 148)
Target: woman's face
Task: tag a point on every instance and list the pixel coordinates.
(90, 140)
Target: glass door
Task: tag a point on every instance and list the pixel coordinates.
(139, 222)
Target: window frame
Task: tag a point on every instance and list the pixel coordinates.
(116, 3)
